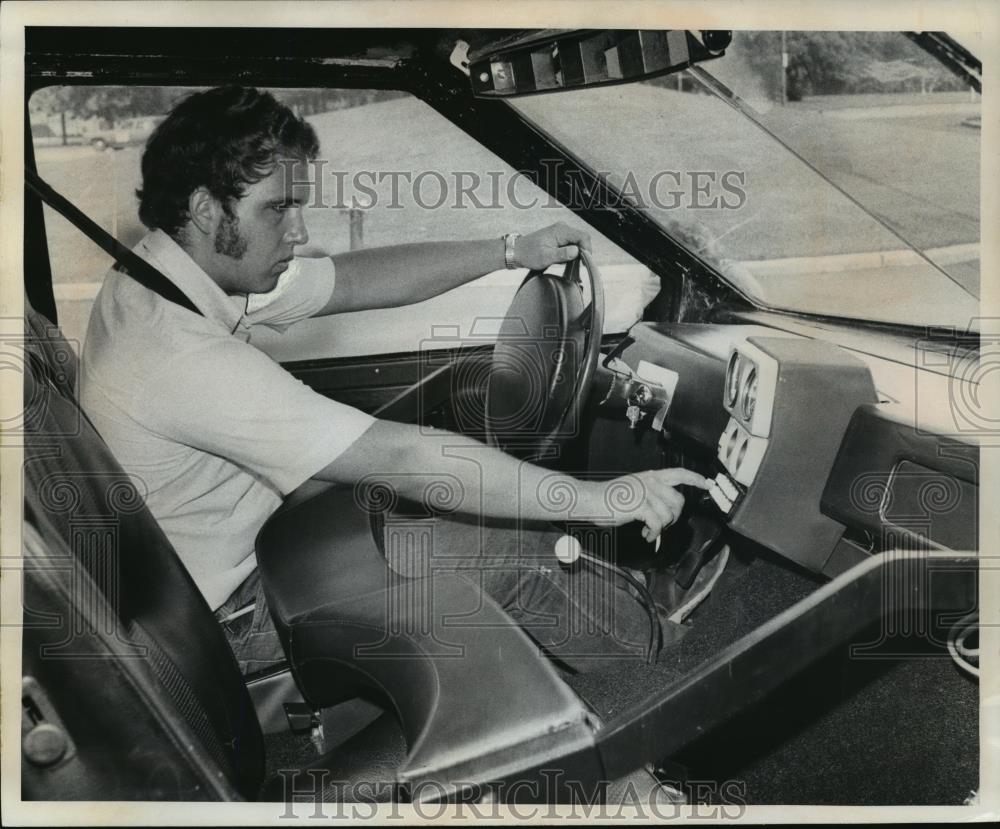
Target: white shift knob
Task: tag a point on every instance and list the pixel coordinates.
(567, 549)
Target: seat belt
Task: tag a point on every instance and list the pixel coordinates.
(126, 261)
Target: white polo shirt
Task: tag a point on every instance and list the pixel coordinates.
(215, 430)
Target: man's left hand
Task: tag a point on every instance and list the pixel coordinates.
(552, 244)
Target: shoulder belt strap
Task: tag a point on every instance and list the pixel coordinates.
(126, 261)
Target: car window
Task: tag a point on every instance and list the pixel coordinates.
(391, 170)
(870, 212)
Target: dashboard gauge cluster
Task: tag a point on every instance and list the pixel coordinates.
(748, 397)
(789, 402)
(741, 386)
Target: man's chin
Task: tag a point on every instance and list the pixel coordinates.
(266, 284)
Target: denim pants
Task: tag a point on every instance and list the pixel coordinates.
(577, 614)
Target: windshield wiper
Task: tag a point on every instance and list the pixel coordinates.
(727, 96)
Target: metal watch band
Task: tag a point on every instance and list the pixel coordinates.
(508, 250)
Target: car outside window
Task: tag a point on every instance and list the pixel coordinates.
(871, 212)
(391, 170)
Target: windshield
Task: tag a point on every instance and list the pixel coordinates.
(832, 173)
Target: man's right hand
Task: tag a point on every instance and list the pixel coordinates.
(651, 497)
(485, 481)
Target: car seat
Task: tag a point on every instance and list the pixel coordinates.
(132, 692)
(130, 688)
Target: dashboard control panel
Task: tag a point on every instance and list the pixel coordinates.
(773, 407)
(789, 402)
(794, 426)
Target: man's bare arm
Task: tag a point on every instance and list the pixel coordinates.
(388, 277)
(494, 484)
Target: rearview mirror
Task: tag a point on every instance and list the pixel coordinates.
(550, 60)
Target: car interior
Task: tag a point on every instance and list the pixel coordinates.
(845, 494)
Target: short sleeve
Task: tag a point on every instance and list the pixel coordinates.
(302, 291)
(229, 399)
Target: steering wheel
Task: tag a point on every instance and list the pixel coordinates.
(544, 360)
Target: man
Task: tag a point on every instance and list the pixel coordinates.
(220, 434)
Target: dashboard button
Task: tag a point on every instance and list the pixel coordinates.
(721, 501)
(727, 487)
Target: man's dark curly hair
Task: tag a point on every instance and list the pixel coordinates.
(223, 139)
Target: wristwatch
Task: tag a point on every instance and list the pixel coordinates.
(509, 240)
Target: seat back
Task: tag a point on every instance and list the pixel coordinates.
(129, 588)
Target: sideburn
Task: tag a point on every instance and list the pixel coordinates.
(228, 240)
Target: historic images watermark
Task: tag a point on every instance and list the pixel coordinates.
(319, 185)
(552, 795)
(17, 351)
(921, 508)
(951, 392)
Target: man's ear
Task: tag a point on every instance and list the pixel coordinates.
(204, 211)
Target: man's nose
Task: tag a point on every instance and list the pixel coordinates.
(296, 233)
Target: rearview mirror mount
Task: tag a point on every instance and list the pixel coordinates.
(548, 61)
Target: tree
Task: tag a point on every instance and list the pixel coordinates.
(831, 63)
(112, 103)
(109, 103)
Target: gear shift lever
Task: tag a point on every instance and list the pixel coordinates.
(567, 549)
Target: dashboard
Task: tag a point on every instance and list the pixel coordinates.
(813, 459)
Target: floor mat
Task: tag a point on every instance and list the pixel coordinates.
(746, 597)
(286, 750)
